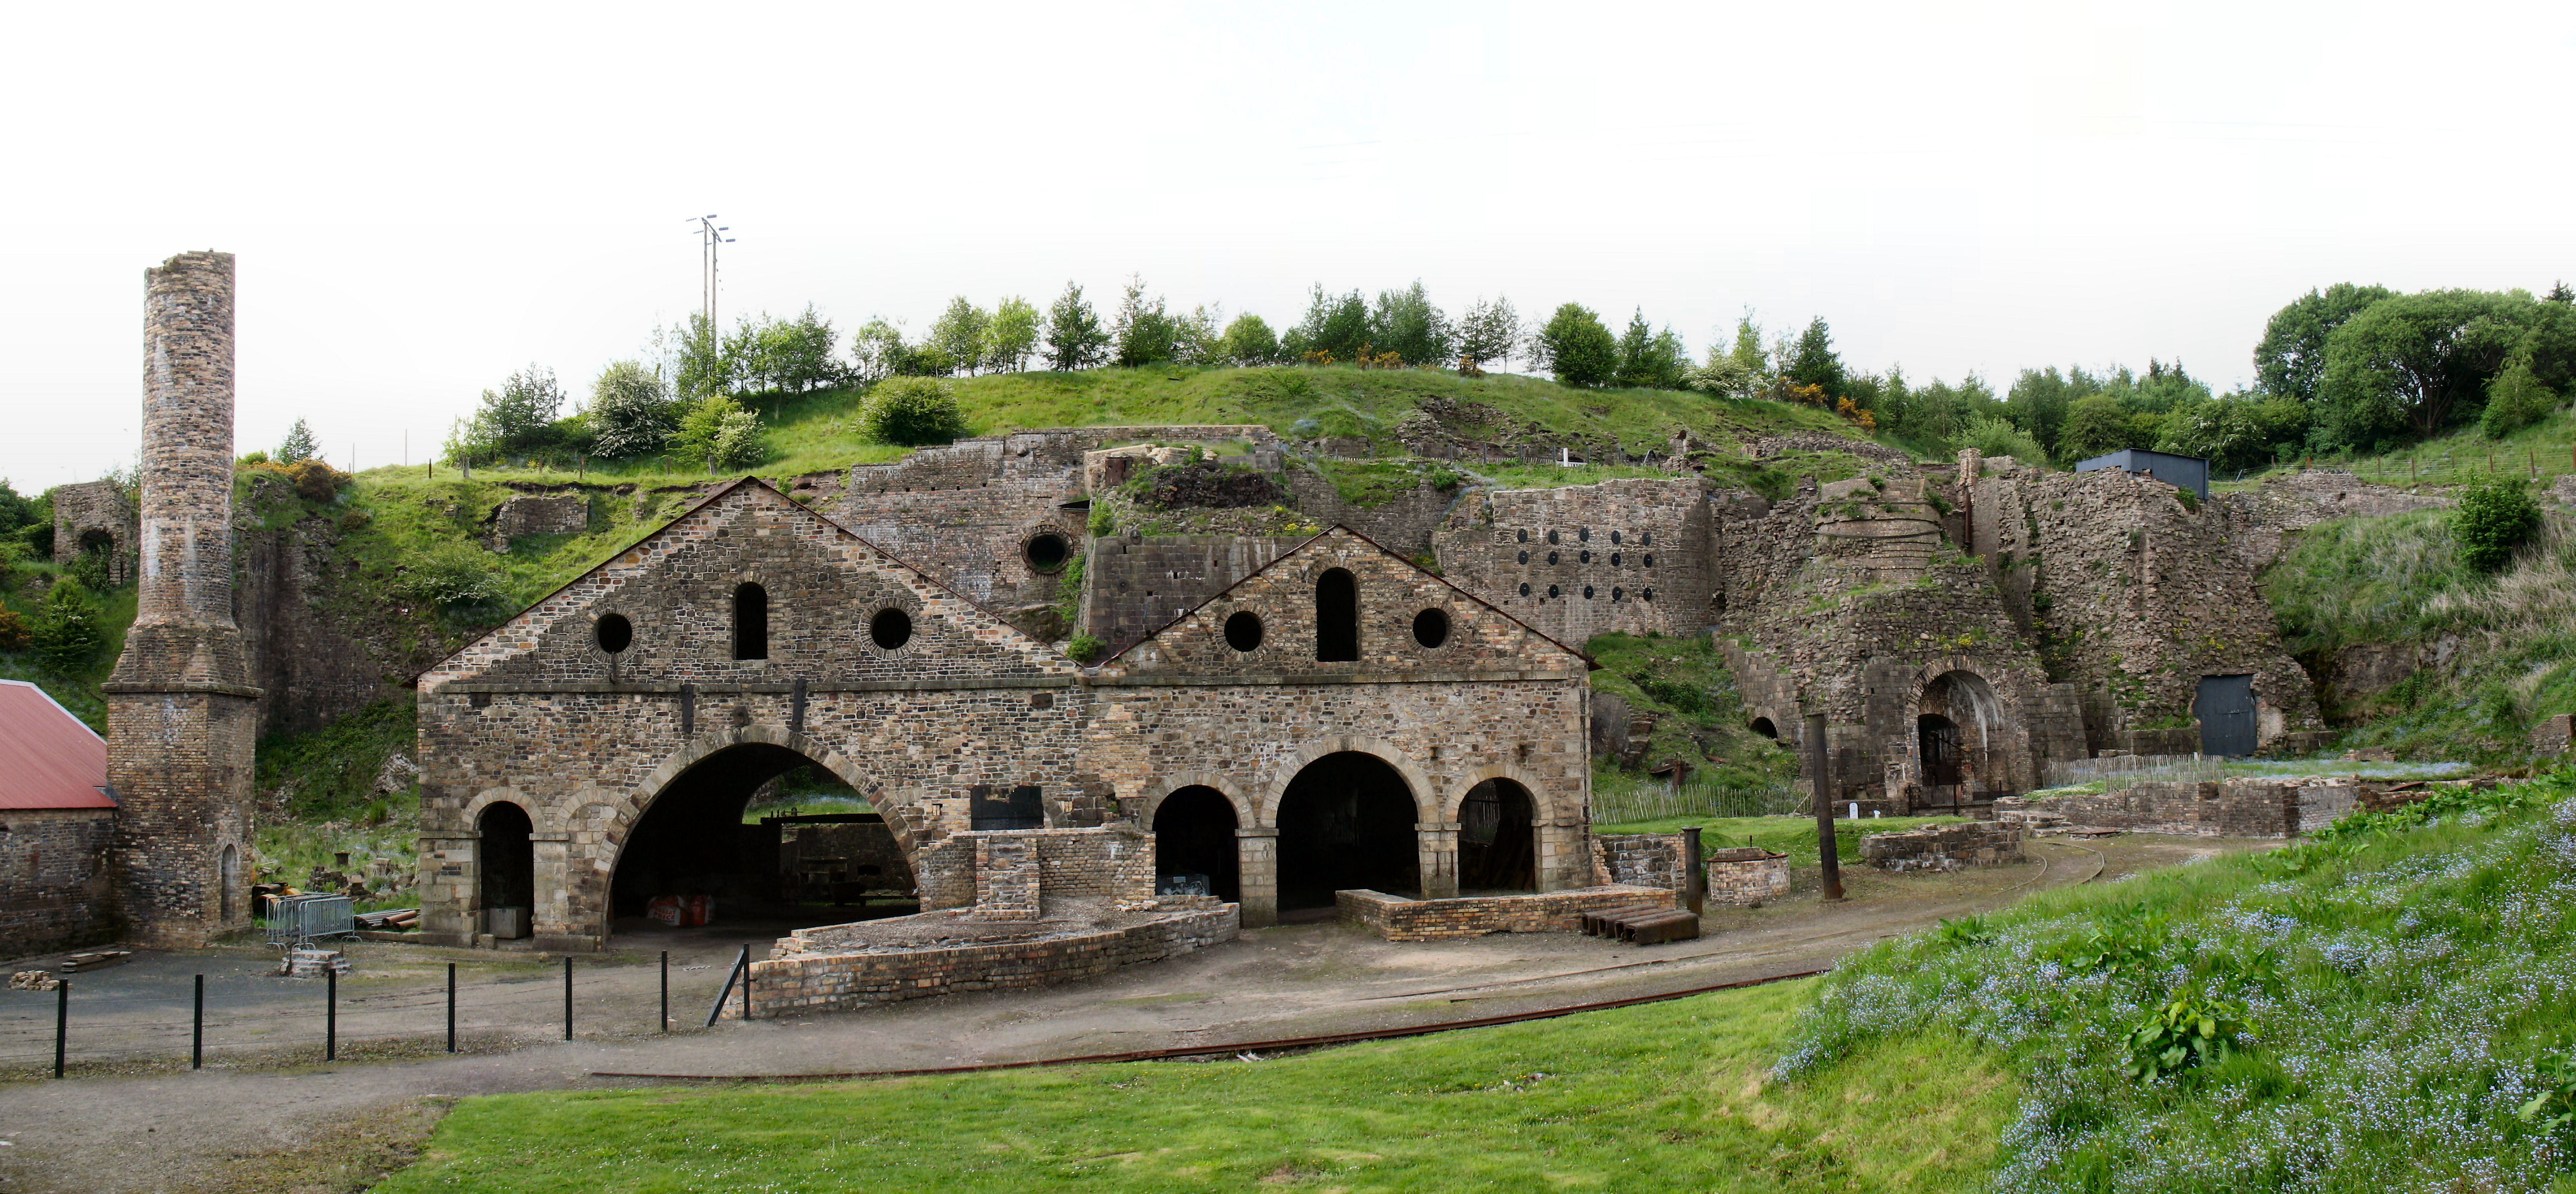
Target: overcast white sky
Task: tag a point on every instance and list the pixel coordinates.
(423, 201)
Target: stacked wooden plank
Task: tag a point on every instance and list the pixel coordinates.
(101, 960)
(1642, 924)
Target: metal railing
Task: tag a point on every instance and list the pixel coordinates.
(296, 919)
(2121, 772)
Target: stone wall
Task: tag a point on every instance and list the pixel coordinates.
(1626, 555)
(1641, 860)
(182, 714)
(2264, 521)
(1944, 847)
(799, 981)
(311, 661)
(54, 877)
(1132, 585)
(1007, 884)
(538, 514)
(1399, 919)
(2144, 596)
(2260, 808)
(99, 506)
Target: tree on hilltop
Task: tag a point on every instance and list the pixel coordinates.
(1249, 342)
(299, 445)
(1012, 335)
(1144, 332)
(630, 411)
(958, 335)
(2291, 359)
(1651, 359)
(1074, 337)
(1489, 331)
(1577, 347)
(1407, 324)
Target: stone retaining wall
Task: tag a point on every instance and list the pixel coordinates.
(1944, 847)
(1399, 919)
(2232, 808)
(841, 982)
(53, 879)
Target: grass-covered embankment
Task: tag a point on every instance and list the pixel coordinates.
(2385, 998)
(1671, 1096)
(2499, 651)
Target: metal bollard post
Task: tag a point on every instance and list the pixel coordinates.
(567, 996)
(197, 1029)
(451, 1007)
(666, 990)
(62, 1020)
(330, 1014)
(746, 984)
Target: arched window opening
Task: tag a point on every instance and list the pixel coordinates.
(1346, 822)
(1337, 618)
(1497, 839)
(750, 622)
(509, 864)
(1194, 843)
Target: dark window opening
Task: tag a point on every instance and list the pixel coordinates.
(750, 622)
(1551, 536)
(1337, 618)
(613, 633)
(1524, 535)
(1551, 557)
(1646, 539)
(992, 807)
(1346, 822)
(1943, 761)
(1243, 630)
(1648, 595)
(1048, 552)
(1583, 558)
(1585, 534)
(1497, 839)
(1763, 726)
(1650, 562)
(1614, 559)
(890, 629)
(1614, 536)
(1431, 628)
(1525, 557)
(1587, 595)
(1551, 591)
(1617, 593)
(1525, 593)
(509, 865)
(1194, 838)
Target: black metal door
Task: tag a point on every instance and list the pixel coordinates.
(1939, 740)
(2226, 713)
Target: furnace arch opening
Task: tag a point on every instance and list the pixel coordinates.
(1347, 821)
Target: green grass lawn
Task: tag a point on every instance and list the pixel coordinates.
(1668, 1096)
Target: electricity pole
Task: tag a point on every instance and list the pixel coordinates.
(710, 235)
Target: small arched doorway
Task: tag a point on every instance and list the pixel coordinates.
(1763, 726)
(1497, 839)
(1959, 740)
(1194, 835)
(1346, 821)
(705, 853)
(509, 864)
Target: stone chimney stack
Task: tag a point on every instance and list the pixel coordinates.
(182, 715)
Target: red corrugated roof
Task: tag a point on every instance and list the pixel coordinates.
(48, 759)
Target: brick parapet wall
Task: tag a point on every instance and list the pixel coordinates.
(1746, 876)
(812, 982)
(54, 879)
(1399, 919)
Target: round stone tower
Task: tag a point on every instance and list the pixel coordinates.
(182, 716)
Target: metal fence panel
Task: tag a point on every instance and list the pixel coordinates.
(294, 920)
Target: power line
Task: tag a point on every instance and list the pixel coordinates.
(710, 236)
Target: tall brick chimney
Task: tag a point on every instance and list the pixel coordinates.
(182, 717)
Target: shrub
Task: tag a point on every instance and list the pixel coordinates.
(630, 411)
(1998, 437)
(719, 431)
(911, 410)
(1084, 648)
(2516, 399)
(67, 633)
(13, 631)
(451, 574)
(2495, 517)
(1102, 521)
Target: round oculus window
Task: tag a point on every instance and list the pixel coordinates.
(1524, 588)
(1614, 536)
(613, 633)
(1524, 535)
(890, 629)
(1431, 628)
(1047, 552)
(1243, 630)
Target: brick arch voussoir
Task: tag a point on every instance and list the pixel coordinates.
(1426, 795)
(1234, 793)
(539, 817)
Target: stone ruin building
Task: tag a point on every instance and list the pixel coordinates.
(1276, 724)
